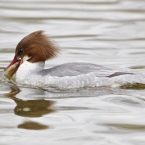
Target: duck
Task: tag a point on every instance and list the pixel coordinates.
(31, 53)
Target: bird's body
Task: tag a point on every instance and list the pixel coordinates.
(29, 61)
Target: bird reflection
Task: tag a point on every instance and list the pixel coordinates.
(31, 125)
(33, 108)
(30, 108)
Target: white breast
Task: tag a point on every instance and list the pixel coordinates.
(26, 69)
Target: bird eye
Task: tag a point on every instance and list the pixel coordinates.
(21, 51)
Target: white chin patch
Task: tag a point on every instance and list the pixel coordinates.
(25, 58)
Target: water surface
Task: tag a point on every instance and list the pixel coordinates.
(106, 32)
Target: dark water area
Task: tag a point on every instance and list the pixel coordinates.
(106, 32)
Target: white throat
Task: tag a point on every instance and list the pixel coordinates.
(28, 68)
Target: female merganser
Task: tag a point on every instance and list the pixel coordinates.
(29, 60)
